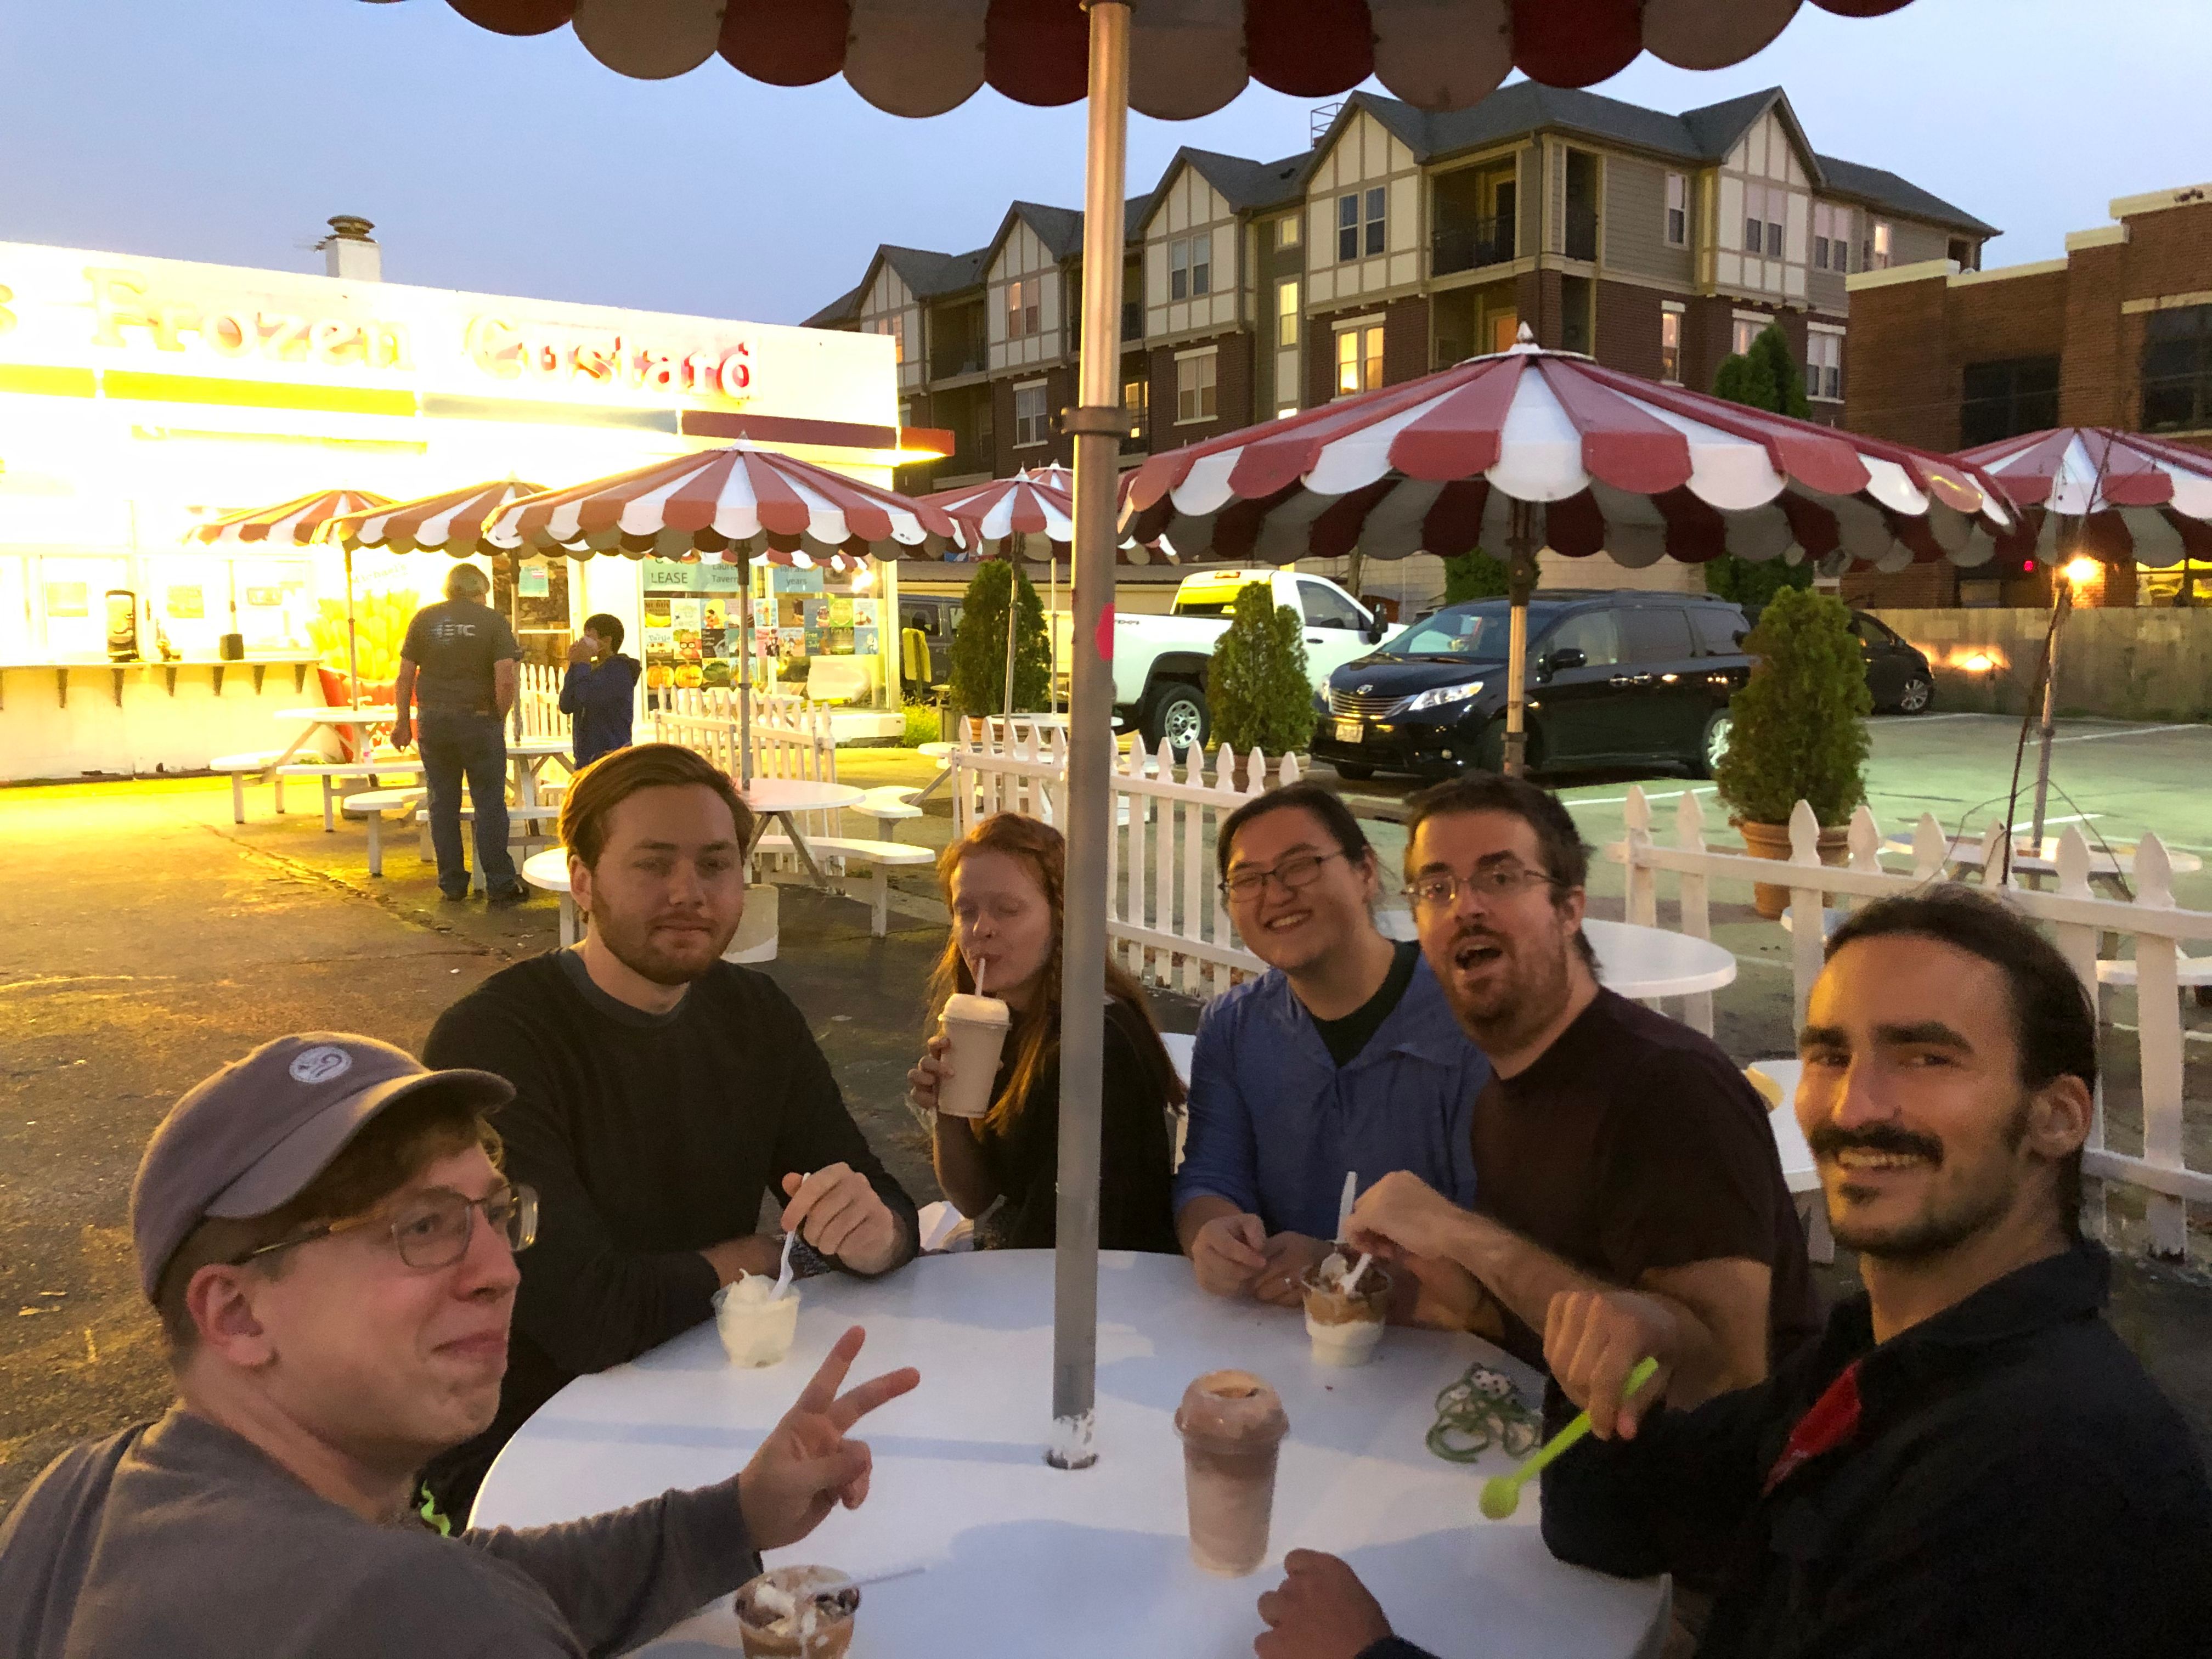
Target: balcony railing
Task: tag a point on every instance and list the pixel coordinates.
(967, 359)
(1467, 247)
(1582, 232)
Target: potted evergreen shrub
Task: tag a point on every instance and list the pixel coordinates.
(1257, 682)
(1796, 732)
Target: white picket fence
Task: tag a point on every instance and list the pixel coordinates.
(1165, 920)
(538, 702)
(2076, 918)
(791, 737)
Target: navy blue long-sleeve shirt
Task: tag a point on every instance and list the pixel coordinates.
(599, 696)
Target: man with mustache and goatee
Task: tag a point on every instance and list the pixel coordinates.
(1968, 1462)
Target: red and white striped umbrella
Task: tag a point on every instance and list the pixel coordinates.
(742, 497)
(2126, 496)
(296, 522)
(451, 521)
(1027, 504)
(1615, 464)
(1185, 58)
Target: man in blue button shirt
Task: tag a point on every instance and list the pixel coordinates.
(1343, 1057)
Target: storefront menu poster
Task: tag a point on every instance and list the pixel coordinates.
(533, 580)
(187, 603)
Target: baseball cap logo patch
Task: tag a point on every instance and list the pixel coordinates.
(320, 1065)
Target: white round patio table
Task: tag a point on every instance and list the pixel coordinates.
(781, 799)
(1640, 961)
(358, 722)
(548, 871)
(1799, 1172)
(1023, 1561)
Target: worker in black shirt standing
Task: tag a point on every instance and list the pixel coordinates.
(661, 1095)
(458, 663)
(1968, 1462)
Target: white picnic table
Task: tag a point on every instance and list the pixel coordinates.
(363, 723)
(527, 757)
(783, 799)
(1799, 1172)
(1019, 1559)
(1966, 852)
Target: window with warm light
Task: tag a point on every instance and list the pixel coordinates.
(1874, 255)
(1135, 400)
(1287, 315)
(1745, 331)
(1195, 387)
(1670, 344)
(1286, 231)
(1029, 415)
(1024, 303)
(1359, 358)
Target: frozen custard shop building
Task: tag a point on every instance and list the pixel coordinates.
(140, 398)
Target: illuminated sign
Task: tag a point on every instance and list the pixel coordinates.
(501, 347)
(120, 300)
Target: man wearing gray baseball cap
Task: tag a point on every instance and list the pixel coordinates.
(326, 1233)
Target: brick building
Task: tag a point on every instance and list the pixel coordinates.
(1401, 242)
(2117, 333)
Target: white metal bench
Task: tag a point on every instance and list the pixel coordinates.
(881, 857)
(333, 774)
(524, 824)
(244, 769)
(890, 804)
(371, 804)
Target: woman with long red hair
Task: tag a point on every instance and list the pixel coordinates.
(1004, 882)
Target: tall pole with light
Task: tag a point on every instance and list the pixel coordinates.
(2077, 572)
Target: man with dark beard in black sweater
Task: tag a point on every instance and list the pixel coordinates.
(660, 1095)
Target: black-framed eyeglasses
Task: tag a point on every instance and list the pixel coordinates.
(1294, 873)
(432, 1229)
(1440, 890)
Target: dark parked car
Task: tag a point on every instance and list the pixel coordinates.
(1896, 674)
(937, 615)
(1614, 678)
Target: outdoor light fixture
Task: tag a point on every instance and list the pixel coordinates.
(2082, 570)
(1979, 663)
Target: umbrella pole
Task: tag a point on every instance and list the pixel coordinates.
(1051, 631)
(1520, 580)
(1013, 604)
(1097, 422)
(353, 651)
(2060, 604)
(745, 676)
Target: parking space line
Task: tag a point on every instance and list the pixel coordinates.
(1615, 800)
(2135, 731)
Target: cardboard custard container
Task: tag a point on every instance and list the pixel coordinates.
(1346, 1327)
(797, 1612)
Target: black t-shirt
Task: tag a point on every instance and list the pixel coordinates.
(1634, 1143)
(1343, 1038)
(1134, 1212)
(453, 645)
(648, 1137)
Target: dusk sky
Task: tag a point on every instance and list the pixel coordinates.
(230, 130)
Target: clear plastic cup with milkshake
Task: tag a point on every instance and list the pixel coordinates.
(1232, 1426)
(975, 1035)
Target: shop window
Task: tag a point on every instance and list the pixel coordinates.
(1670, 344)
(2177, 369)
(2006, 398)
(1359, 358)
(1678, 211)
(1195, 387)
(1029, 415)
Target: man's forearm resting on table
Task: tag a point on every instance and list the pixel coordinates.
(1721, 1345)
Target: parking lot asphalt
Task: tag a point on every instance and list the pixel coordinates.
(148, 939)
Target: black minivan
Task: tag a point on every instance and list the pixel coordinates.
(1615, 678)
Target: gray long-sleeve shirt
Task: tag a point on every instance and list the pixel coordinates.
(179, 1538)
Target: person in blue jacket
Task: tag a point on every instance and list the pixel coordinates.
(1342, 1058)
(600, 689)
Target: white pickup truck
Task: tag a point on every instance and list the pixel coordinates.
(1160, 662)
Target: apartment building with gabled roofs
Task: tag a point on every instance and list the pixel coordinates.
(1403, 241)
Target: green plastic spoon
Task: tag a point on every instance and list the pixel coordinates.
(1501, 1493)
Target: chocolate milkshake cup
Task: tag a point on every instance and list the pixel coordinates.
(976, 1030)
(1232, 1426)
(1345, 1325)
(797, 1612)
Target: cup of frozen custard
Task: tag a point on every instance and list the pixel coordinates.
(797, 1612)
(757, 1325)
(1232, 1426)
(1346, 1324)
(976, 1033)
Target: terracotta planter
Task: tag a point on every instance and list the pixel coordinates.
(1771, 841)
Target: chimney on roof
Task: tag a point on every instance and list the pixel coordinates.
(350, 252)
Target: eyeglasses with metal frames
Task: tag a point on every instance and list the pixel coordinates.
(432, 1229)
(1440, 889)
(1293, 874)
